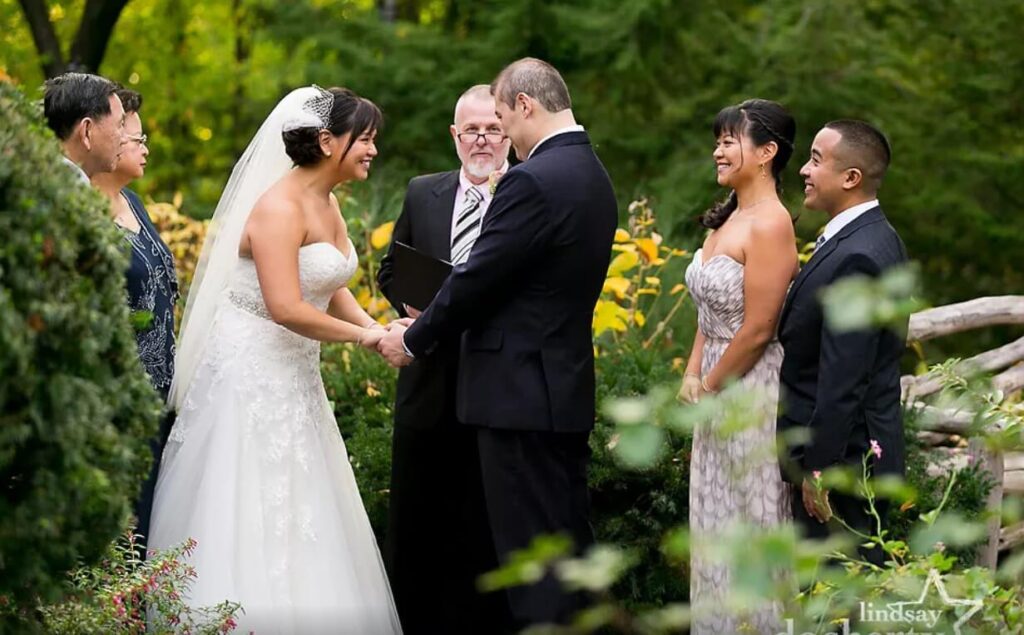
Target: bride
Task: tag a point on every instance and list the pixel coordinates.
(255, 469)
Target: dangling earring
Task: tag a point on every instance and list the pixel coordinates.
(764, 174)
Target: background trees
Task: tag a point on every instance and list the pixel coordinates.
(647, 77)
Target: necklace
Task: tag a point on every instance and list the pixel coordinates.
(756, 203)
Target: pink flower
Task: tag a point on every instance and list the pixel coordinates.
(817, 475)
(876, 449)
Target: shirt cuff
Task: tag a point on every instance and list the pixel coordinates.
(406, 349)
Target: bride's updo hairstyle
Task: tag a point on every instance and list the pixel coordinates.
(349, 113)
(762, 121)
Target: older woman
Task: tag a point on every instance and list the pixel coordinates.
(152, 282)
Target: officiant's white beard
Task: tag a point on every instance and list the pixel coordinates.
(482, 168)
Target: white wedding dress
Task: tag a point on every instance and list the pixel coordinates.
(257, 473)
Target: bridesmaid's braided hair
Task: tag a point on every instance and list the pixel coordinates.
(762, 121)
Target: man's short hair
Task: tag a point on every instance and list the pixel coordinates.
(131, 100)
(862, 146)
(480, 91)
(71, 97)
(535, 78)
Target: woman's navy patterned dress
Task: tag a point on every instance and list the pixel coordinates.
(153, 289)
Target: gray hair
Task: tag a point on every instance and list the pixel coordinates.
(535, 78)
(479, 91)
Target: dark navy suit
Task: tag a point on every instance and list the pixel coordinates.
(842, 388)
(525, 301)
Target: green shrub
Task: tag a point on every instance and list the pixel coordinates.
(636, 508)
(361, 387)
(967, 497)
(112, 597)
(76, 408)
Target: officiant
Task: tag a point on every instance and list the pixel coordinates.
(438, 540)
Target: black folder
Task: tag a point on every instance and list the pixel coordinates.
(417, 277)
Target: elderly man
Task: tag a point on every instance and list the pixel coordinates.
(438, 540)
(87, 116)
(525, 299)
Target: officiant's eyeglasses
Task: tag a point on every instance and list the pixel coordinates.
(490, 137)
(139, 140)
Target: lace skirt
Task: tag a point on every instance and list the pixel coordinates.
(257, 473)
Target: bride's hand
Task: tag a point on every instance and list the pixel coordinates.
(370, 337)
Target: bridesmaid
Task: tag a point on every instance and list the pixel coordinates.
(152, 281)
(738, 280)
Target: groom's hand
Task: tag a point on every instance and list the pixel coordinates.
(392, 347)
(403, 322)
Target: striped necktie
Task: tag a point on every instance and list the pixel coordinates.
(467, 226)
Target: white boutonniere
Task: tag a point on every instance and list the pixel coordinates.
(492, 181)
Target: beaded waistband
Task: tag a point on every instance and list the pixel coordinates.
(249, 304)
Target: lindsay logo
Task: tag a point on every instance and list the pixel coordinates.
(912, 615)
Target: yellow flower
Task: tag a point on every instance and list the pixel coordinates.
(623, 263)
(609, 315)
(382, 235)
(649, 249)
(617, 285)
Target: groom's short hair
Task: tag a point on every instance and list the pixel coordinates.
(71, 97)
(862, 146)
(535, 78)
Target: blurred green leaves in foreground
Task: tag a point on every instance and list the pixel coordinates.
(814, 586)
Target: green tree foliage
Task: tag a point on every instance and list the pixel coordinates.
(647, 77)
(76, 408)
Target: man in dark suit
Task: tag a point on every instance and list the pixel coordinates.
(438, 540)
(841, 388)
(525, 299)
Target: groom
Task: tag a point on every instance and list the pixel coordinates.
(843, 388)
(526, 298)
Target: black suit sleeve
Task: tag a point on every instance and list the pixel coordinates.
(845, 364)
(402, 233)
(516, 229)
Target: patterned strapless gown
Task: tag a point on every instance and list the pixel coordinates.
(733, 478)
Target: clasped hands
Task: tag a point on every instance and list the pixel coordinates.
(387, 340)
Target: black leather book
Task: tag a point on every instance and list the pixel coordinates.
(417, 277)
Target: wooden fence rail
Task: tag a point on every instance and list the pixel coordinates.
(1007, 470)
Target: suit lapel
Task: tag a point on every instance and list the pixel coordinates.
(873, 215)
(440, 209)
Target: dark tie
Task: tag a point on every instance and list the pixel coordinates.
(818, 243)
(467, 226)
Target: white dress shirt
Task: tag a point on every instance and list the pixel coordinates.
(844, 218)
(576, 128)
(460, 196)
(79, 172)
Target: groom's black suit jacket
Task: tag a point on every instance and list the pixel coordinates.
(525, 298)
(843, 387)
(425, 394)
